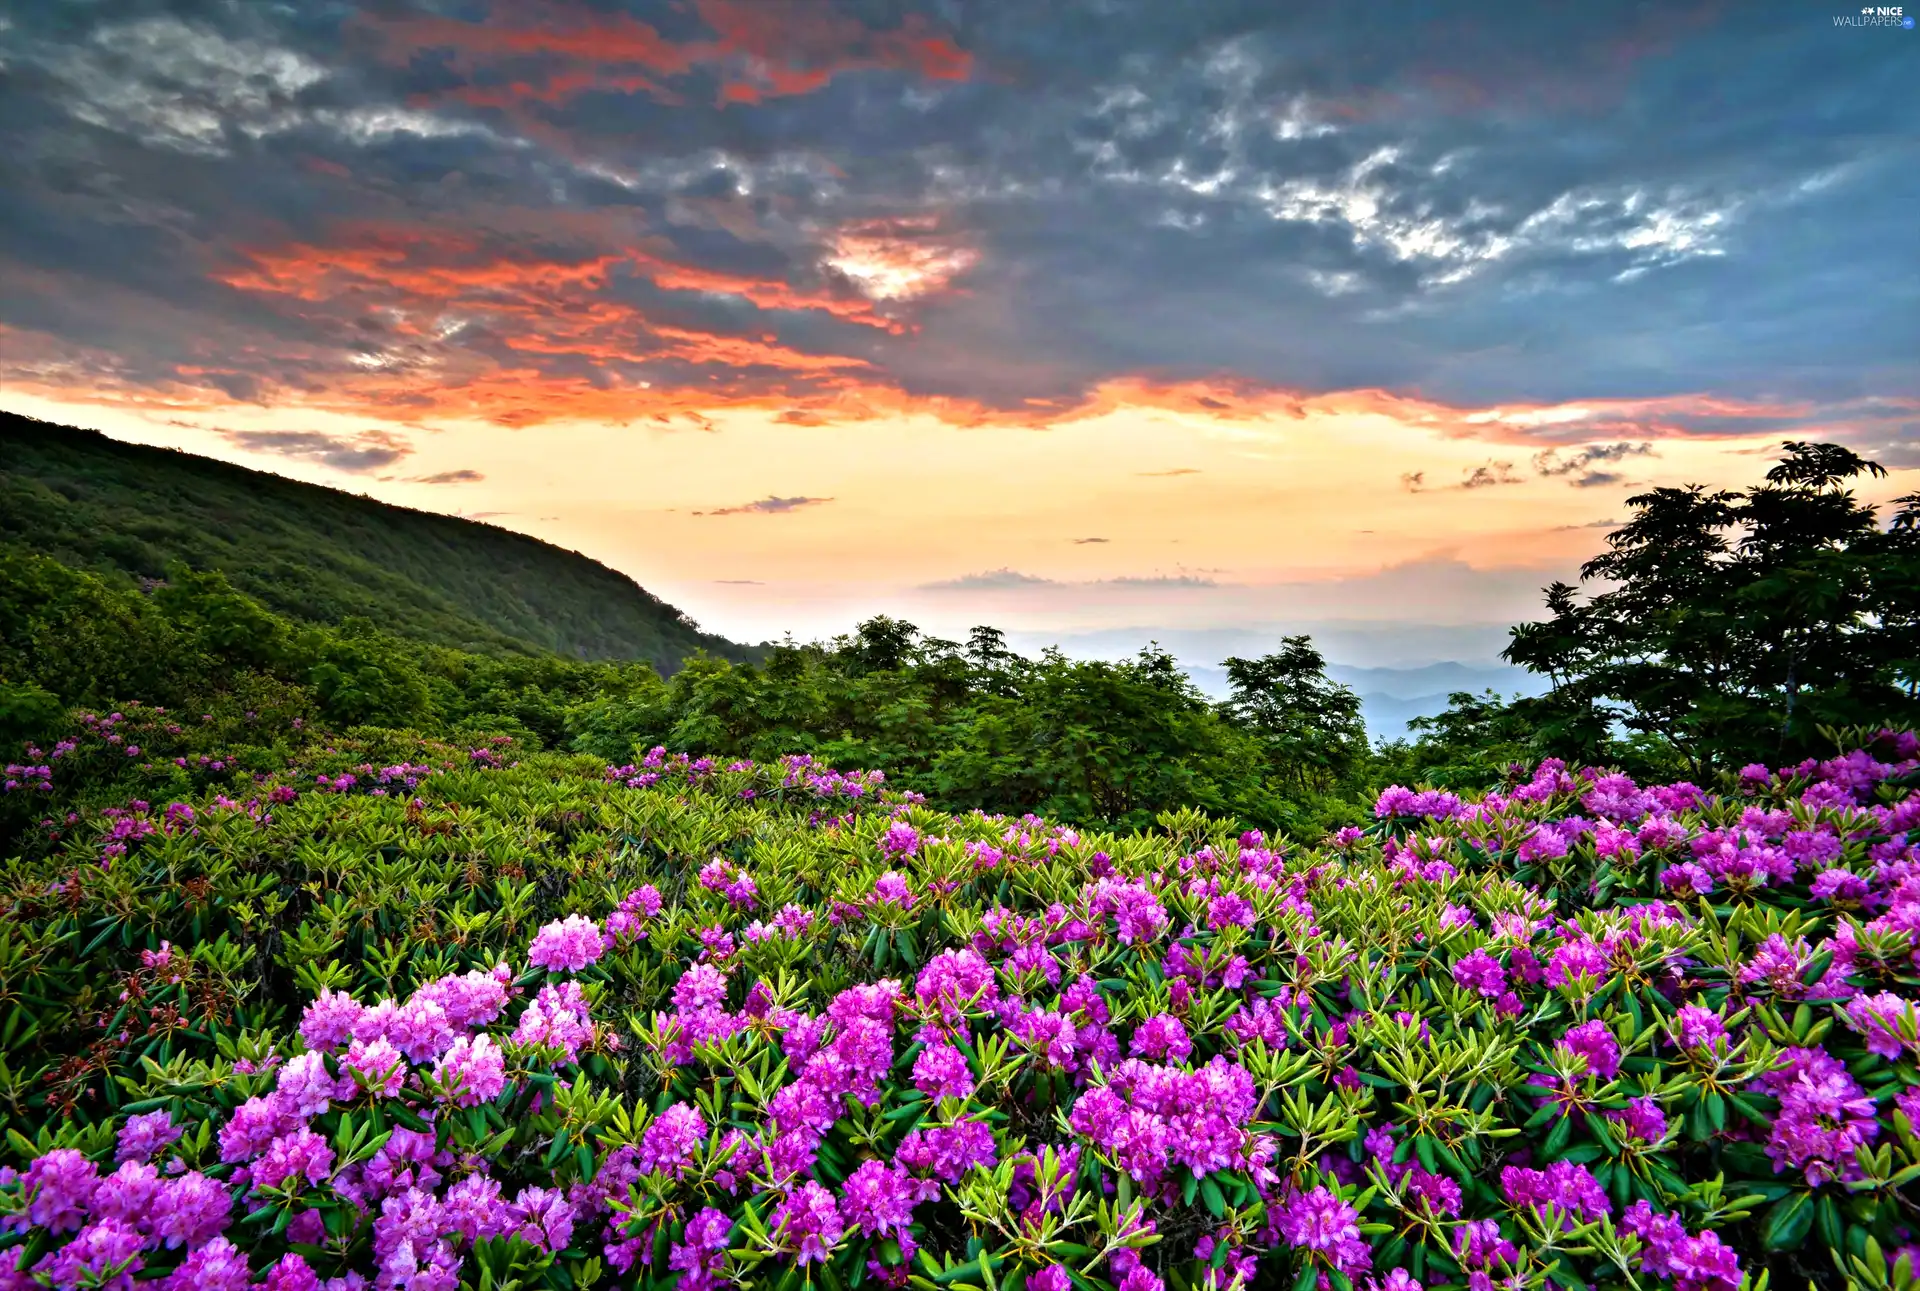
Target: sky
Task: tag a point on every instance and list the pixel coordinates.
(1093, 319)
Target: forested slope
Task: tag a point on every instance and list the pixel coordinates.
(323, 555)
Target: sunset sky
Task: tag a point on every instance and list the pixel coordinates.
(1071, 317)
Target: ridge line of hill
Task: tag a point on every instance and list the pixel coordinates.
(325, 555)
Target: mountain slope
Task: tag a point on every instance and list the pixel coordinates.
(323, 555)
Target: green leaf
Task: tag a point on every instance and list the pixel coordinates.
(1787, 1222)
(1815, 970)
(1826, 1214)
(1557, 1137)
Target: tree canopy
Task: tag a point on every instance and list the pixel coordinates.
(1733, 625)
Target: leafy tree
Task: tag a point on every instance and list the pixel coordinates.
(1470, 745)
(1092, 741)
(987, 649)
(978, 726)
(881, 644)
(1894, 590)
(363, 680)
(86, 641)
(1735, 624)
(231, 628)
(28, 713)
(1308, 725)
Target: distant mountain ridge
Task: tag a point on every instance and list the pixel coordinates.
(1392, 697)
(325, 555)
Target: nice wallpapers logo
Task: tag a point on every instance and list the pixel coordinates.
(1876, 16)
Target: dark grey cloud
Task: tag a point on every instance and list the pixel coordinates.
(1552, 462)
(1158, 580)
(369, 451)
(465, 475)
(766, 506)
(1486, 475)
(1491, 473)
(1491, 204)
(990, 580)
(1082, 542)
(1579, 467)
(1014, 580)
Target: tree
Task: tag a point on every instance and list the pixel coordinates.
(364, 678)
(1309, 725)
(1088, 741)
(881, 644)
(232, 628)
(1471, 745)
(1735, 624)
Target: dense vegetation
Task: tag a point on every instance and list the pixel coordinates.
(193, 643)
(1730, 628)
(1734, 625)
(324, 556)
(338, 954)
(421, 1015)
(973, 728)
(976, 726)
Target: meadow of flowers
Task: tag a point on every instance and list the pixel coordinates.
(451, 1017)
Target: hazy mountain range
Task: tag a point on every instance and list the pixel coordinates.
(1395, 682)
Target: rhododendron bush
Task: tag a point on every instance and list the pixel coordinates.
(539, 1023)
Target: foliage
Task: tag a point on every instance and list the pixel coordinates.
(196, 647)
(1087, 742)
(1735, 624)
(1309, 725)
(437, 1015)
(1082, 741)
(322, 555)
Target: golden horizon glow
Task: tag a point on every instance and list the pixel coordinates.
(1282, 507)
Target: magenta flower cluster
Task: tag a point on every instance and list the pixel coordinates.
(855, 1041)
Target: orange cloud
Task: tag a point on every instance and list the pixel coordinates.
(421, 322)
(761, 50)
(426, 280)
(797, 48)
(387, 261)
(443, 265)
(424, 288)
(708, 347)
(570, 31)
(557, 88)
(765, 293)
(817, 390)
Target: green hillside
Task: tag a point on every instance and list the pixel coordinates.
(323, 555)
